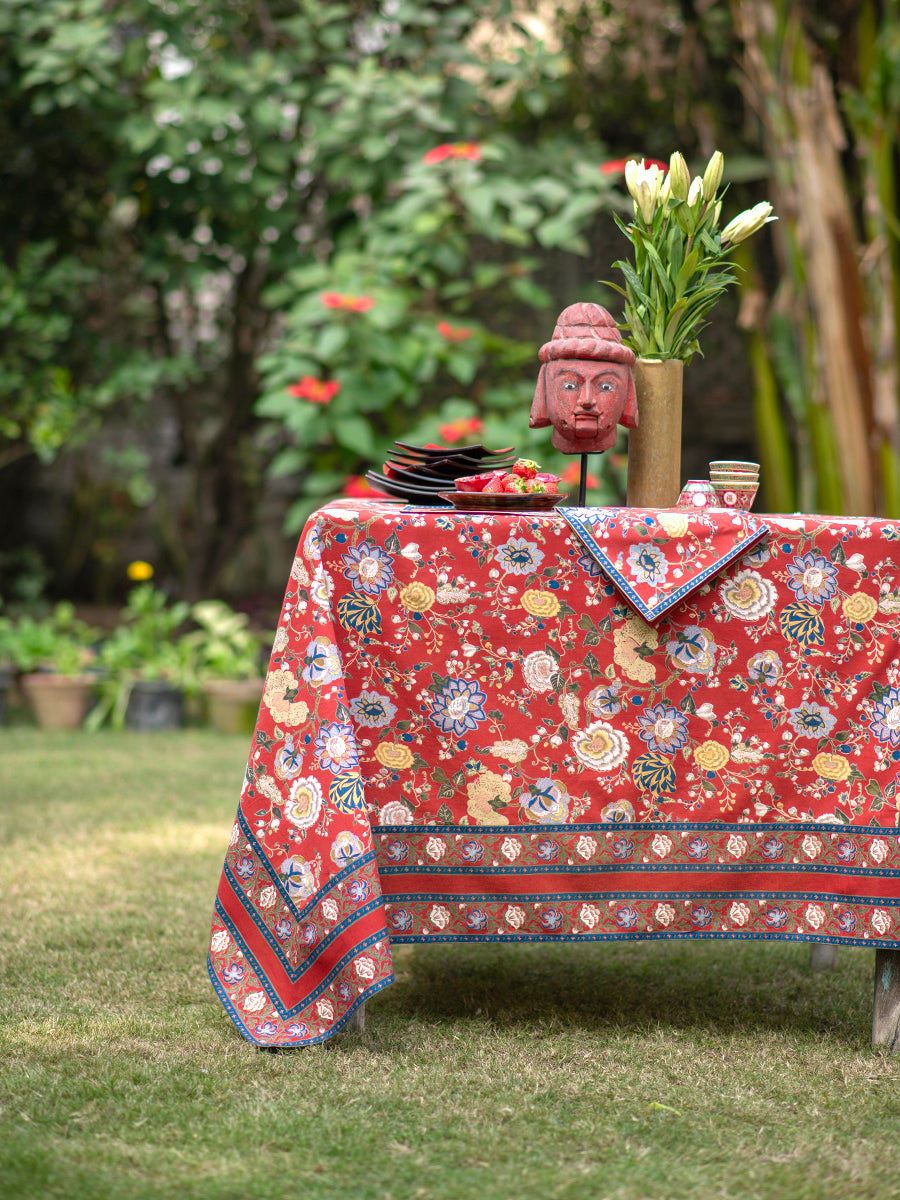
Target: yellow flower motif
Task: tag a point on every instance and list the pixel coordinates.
(710, 756)
(139, 571)
(635, 634)
(675, 524)
(394, 755)
(279, 684)
(859, 607)
(485, 787)
(417, 597)
(832, 766)
(540, 604)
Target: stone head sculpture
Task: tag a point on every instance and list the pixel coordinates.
(585, 387)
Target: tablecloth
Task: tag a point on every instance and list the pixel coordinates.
(468, 733)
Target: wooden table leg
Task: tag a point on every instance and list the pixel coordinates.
(886, 1016)
(357, 1021)
(822, 956)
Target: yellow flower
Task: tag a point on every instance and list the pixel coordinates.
(859, 607)
(280, 685)
(832, 766)
(710, 756)
(485, 787)
(417, 597)
(540, 604)
(139, 571)
(394, 755)
(675, 524)
(635, 634)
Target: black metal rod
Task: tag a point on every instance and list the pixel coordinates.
(582, 482)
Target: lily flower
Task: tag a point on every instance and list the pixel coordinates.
(679, 176)
(712, 176)
(747, 223)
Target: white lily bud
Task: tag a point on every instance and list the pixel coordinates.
(747, 223)
(712, 176)
(631, 170)
(646, 197)
(679, 176)
(665, 191)
(695, 195)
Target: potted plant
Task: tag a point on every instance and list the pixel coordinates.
(7, 670)
(146, 664)
(54, 654)
(227, 661)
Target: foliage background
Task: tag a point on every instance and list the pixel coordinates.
(182, 180)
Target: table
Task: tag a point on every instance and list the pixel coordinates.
(468, 733)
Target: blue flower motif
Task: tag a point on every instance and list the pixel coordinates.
(846, 851)
(812, 577)
(471, 852)
(551, 919)
(233, 973)
(765, 668)
(545, 802)
(369, 568)
(358, 891)
(663, 728)
(885, 723)
(604, 700)
(811, 720)
(693, 649)
(298, 1029)
(323, 663)
(701, 917)
(698, 848)
(346, 793)
(283, 928)
(476, 920)
(773, 848)
(335, 748)
(265, 1028)
(546, 850)
(401, 920)
(654, 772)
(802, 622)
(458, 707)
(244, 867)
(626, 917)
(519, 557)
(846, 921)
(396, 851)
(308, 934)
(360, 613)
(373, 710)
(588, 563)
(617, 812)
(343, 990)
(776, 918)
(647, 563)
(622, 848)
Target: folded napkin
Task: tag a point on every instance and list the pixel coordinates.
(658, 556)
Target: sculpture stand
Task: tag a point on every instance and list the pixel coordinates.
(582, 482)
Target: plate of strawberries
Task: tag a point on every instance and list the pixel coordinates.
(523, 487)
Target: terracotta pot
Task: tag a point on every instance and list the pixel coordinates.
(654, 448)
(58, 701)
(232, 705)
(154, 704)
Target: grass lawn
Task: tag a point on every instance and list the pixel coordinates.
(637, 1072)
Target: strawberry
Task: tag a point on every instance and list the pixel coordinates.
(514, 483)
(495, 483)
(525, 467)
(550, 482)
(473, 483)
(535, 486)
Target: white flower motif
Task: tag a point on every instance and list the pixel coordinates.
(267, 897)
(435, 848)
(411, 551)
(325, 1009)
(515, 916)
(330, 909)
(739, 913)
(878, 850)
(439, 916)
(538, 668)
(736, 846)
(394, 813)
(365, 967)
(748, 596)
(706, 712)
(254, 1002)
(601, 747)
(661, 845)
(586, 846)
(815, 916)
(589, 915)
(219, 941)
(811, 846)
(856, 562)
(743, 752)
(305, 802)
(513, 751)
(235, 835)
(881, 921)
(511, 848)
(321, 588)
(664, 914)
(452, 595)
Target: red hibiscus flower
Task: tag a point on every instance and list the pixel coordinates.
(616, 166)
(347, 301)
(453, 333)
(316, 391)
(462, 427)
(358, 487)
(572, 474)
(470, 150)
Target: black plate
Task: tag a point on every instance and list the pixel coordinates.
(477, 451)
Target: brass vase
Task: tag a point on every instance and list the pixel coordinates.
(654, 448)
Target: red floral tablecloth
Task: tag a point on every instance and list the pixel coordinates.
(468, 733)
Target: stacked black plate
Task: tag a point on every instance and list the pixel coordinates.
(418, 474)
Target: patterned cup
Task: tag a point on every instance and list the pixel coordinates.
(730, 495)
(697, 493)
(733, 464)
